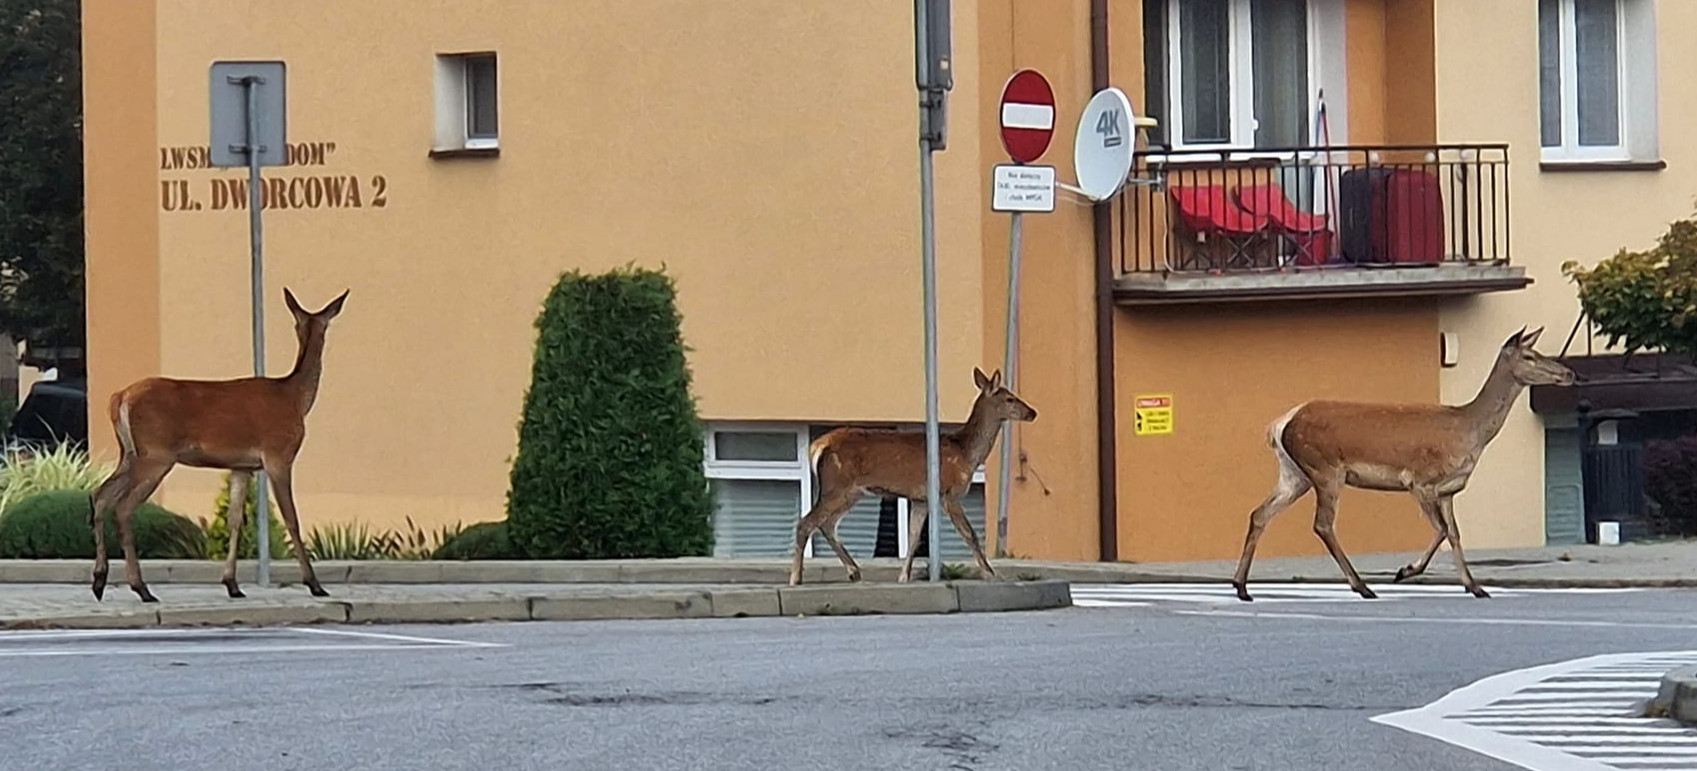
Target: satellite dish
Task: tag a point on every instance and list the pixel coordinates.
(1102, 146)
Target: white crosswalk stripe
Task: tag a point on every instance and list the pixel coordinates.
(1135, 595)
(1580, 715)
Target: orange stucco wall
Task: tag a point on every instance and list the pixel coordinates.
(768, 158)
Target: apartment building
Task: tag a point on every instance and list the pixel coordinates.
(449, 159)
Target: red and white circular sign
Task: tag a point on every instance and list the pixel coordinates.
(1028, 116)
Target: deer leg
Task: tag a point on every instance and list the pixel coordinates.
(278, 473)
(1428, 509)
(1325, 517)
(1292, 484)
(239, 481)
(915, 525)
(957, 515)
(831, 505)
(147, 474)
(1446, 508)
(102, 499)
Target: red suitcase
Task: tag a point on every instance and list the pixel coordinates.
(1391, 216)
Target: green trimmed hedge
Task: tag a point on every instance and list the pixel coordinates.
(482, 541)
(54, 525)
(610, 446)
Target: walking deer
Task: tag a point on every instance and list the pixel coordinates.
(852, 462)
(1428, 451)
(244, 425)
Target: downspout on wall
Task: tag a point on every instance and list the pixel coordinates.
(1107, 467)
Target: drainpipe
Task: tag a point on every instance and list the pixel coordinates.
(1107, 480)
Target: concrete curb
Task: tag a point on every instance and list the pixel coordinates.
(1677, 698)
(738, 602)
(708, 570)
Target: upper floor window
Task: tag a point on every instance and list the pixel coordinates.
(1597, 80)
(1230, 73)
(467, 102)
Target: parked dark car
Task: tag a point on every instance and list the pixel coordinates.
(55, 412)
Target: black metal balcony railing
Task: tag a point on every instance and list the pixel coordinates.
(1312, 208)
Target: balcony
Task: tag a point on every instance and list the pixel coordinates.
(1346, 221)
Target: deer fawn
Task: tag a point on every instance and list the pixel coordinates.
(1428, 451)
(245, 425)
(852, 462)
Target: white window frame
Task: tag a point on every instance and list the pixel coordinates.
(1327, 67)
(453, 103)
(1241, 48)
(798, 470)
(1635, 73)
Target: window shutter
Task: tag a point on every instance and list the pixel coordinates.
(857, 530)
(755, 517)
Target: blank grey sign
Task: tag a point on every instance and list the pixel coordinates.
(229, 113)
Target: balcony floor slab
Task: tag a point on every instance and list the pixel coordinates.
(1334, 282)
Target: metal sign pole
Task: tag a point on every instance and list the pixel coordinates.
(249, 129)
(931, 49)
(1010, 364)
(255, 201)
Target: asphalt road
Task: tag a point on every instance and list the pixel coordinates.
(1169, 686)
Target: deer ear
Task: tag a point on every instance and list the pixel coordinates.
(294, 305)
(335, 307)
(980, 379)
(1529, 338)
(1514, 339)
(995, 380)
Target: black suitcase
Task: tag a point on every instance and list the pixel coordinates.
(1358, 190)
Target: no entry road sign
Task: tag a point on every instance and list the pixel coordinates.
(1028, 116)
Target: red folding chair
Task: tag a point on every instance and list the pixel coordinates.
(1308, 234)
(1208, 212)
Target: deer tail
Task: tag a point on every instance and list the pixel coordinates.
(817, 449)
(121, 422)
(1276, 433)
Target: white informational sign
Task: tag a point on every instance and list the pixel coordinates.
(1102, 146)
(1023, 188)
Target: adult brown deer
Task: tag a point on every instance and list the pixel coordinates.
(1426, 450)
(244, 425)
(852, 462)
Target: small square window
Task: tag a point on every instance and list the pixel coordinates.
(467, 103)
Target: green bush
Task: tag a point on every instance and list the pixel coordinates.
(482, 541)
(609, 452)
(54, 525)
(218, 530)
(24, 473)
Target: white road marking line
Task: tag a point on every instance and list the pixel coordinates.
(1406, 620)
(1506, 717)
(407, 638)
(200, 649)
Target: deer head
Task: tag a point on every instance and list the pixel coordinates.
(1529, 367)
(308, 323)
(1002, 403)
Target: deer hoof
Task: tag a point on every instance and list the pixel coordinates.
(1479, 591)
(1406, 571)
(98, 586)
(233, 590)
(1366, 594)
(1243, 592)
(143, 592)
(317, 591)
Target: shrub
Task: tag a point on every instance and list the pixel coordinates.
(358, 541)
(482, 541)
(610, 447)
(1645, 300)
(54, 525)
(1670, 480)
(24, 473)
(218, 530)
